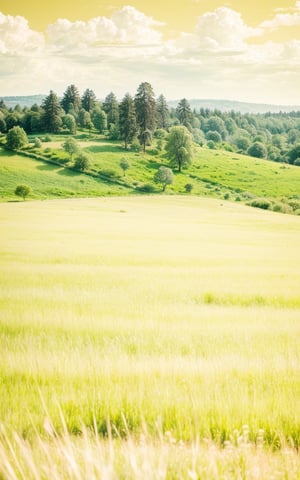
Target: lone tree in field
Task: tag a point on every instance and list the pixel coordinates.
(71, 147)
(164, 176)
(16, 138)
(124, 164)
(22, 191)
(179, 147)
(82, 162)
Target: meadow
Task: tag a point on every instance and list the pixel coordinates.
(149, 338)
(213, 173)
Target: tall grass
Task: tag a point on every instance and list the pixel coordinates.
(159, 330)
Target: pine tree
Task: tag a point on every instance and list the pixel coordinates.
(162, 112)
(52, 113)
(111, 108)
(127, 120)
(71, 100)
(145, 109)
(88, 100)
(184, 113)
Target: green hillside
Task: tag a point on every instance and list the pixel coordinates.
(214, 173)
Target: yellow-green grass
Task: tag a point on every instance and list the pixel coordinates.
(49, 181)
(213, 173)
(161, 314)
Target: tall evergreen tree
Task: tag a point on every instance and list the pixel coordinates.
(162, 112)
(111, 108)
(88, 100)
(127, 119)
(52, 113)
(184, 113)
(145, 106)
(71, 100)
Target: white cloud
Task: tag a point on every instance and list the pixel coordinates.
(282, 19)
(117, 53)
(16, 36)
(127, 26)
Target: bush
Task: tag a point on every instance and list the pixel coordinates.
(226, 196)
(210, 144)
(22, 191)
(297, 162)
(37, 142)
(16, 138)
(47, 138)
(260, 203)
(146, 188)
(82, 162)
(109, 172)
(188, 187)
(135, 145)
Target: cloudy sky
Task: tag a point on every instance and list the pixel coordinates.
(238, 50)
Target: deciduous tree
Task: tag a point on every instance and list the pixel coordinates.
(179, 147)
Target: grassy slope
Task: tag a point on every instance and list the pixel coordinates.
(213, 173)
(182, 313)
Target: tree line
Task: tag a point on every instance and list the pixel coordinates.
(136, 119)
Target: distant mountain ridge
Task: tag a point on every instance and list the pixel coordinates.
(211, 104)
(242, 107)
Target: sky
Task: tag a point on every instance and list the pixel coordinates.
(235, 50)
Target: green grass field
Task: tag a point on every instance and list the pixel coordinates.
(213, 173)
(149, 337)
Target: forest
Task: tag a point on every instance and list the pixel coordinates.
(135, 119)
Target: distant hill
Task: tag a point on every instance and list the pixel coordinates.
(212, 104)
(23, 101)
(243, 107)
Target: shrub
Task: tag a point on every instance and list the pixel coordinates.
(188, 187)
(226, 196)
(82, 162)
(37, 142)
(297, 162)
(47, 138)
(260, 203)
(135, 145)
(146, 188)
(109, 172)
(22, 191)
(16, 138)
(210, 144)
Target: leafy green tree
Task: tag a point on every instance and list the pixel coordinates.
(258, 150)
(70, 123)
(37, 142)
(111, 108)
(242, 143)
(162, 113)
(82, 162)
(3, 126)
(99, 119)
(124, 164)
(214, 136)
(88, 100)
(52, 113)
(127, 120)
(22, 191)
(164, 176)
(71, 100)
(179, 147)
(184, 113)
(216, 124)
(145, 109)
(16, 138)
(71, 147)
(294, 154)
(84, 119)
